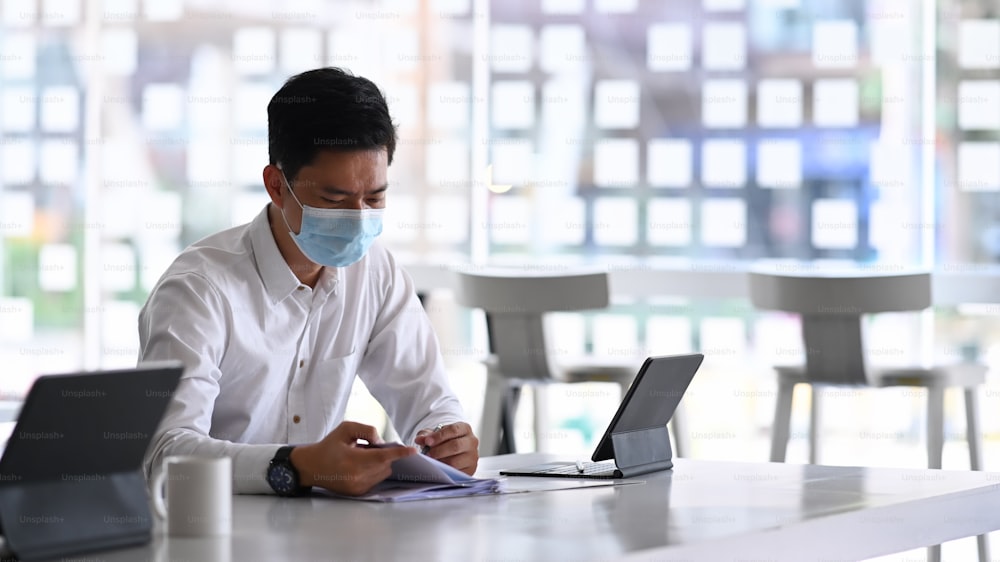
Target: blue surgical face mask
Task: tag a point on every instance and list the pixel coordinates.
(335, 237)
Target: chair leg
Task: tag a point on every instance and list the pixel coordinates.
(679, 428)
(540, 395)
(815, 411)
(782, 421)
(973, 432)
(974, 435)
(491, 423)
(508, 442)
(983, 546)
(935, 426)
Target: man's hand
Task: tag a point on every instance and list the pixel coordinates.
(453, 444)
(340, 465)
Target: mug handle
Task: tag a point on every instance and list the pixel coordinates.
(159, 503)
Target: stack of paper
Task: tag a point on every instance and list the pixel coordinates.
(419, 477)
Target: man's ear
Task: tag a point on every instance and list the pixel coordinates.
(272, 183)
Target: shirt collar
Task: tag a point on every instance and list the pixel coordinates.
(279, 281)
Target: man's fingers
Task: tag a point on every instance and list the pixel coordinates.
(372, 457)
(393, 453)
(352, 431)
(447, 433)
(466, 462)
(451, 431)
(369, 479)
(450, 448)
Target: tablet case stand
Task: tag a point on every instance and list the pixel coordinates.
(642, 451)
(56, 518)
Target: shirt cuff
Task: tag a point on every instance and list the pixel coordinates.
(250, 469)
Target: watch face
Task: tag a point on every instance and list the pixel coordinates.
(282, 479)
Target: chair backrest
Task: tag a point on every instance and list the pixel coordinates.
(515, 301)
(831, 307)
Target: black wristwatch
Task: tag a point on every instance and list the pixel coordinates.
(283, 477)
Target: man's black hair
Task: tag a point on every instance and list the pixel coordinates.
(326, 109)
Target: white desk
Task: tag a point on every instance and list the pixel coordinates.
(702, 510)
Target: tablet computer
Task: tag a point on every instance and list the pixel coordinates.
(638, 428)
(71, 473)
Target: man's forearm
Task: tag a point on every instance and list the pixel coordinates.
(249, 461)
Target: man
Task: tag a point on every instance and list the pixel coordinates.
(273, 319)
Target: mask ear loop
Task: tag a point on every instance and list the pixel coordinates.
(288, 186)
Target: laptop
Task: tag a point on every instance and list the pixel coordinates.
(71, 475)
(636, 441)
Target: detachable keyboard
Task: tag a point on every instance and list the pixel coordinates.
(602, 470)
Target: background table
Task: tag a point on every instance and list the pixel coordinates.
(649, 278)
(9, 410)
(702, 510)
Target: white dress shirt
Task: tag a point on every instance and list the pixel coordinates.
(269, 361)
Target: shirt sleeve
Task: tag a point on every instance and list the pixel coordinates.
(403, 367)
(186, 319)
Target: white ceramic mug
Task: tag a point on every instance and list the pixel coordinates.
(194, 495)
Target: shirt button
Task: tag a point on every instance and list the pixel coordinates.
(296, 419)
(302, 363)
(302, 287)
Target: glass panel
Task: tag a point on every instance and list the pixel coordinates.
(979, 104)
(614, 335)
(562, 6)
(723, 103)
(60, 12)
(669, 163)
(779, 103)
(120, 11)
(19, 50)
(835, 223)
(60, 109)
(300, 49)
(724, 46)
(513, 105)
(17, 109)
(253, 50)
(616, 163)
(668, 47)
(779, 164)
(511, 48)
(562, 48)
(616, 104)
(615, 221)
(20, 13)
(723, 222)
(17, 215)
(835, 103)
(723, 163)
(119, 49)
(835, 44)
(979, 43)
(163, 10)
(669, 222)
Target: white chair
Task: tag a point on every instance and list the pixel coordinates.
(515, 302)
(831, 309)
